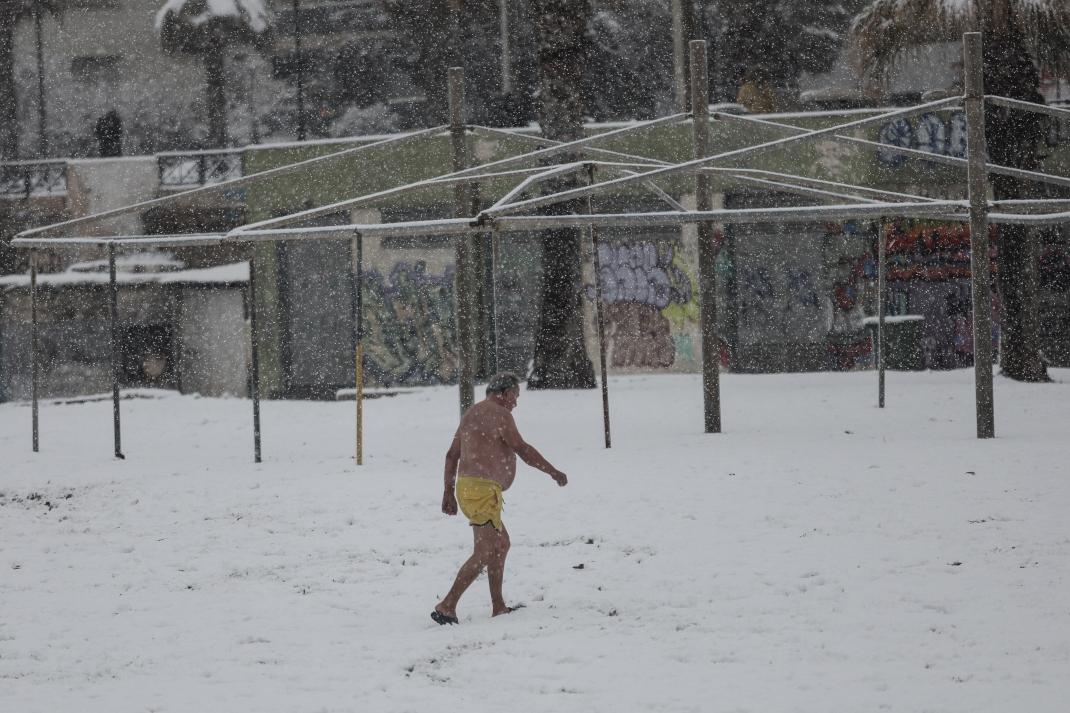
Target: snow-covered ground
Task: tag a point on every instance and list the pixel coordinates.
(820, 555)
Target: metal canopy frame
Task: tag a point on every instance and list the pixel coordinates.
(512, 212)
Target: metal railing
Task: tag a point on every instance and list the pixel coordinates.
(182, 171)
(33, 179)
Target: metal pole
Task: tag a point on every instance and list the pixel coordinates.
(456, 45)
(882, 277)
(711, 388)
(599, 318)
(254, 360)
(507, 60)
(35, 362)
(495, 259)
(300, 75)
(681, 33)
(42, 133)
(358, 334)
(463, 298)
(113, 303)
(254, 127)
(979, 267)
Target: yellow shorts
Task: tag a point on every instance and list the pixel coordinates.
(480, 501)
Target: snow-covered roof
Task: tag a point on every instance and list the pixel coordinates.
(932, 66)
(894, 319)
(255, 12)
(234, 273)
(134, 262)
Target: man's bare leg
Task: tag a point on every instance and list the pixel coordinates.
(484, 546)
(496, 572)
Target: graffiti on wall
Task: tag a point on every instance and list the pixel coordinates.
(928, 275)
(410, 332)
(777, 297)
(649, 297)
(930, 132)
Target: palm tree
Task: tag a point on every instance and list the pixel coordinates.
(207, 28)
(11, 13)
(561, 360)
(1019, 36)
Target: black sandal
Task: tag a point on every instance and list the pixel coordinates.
(442, 619)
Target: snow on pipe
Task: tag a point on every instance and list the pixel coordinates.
(586, 165)
(245, 230)
(692, 165)
(538, 177)
(643, 160)
(756, 215)
(651, 186)
(225, 185)
(460, 226)
(434, 182)
(807, 181)
(800, 190)
(471, 173)
(1028, 106)
(902, 150)
(121, 241)
(455, 226)
(1029, 203)
(559, 147)
(1030, 219)
(961, 162)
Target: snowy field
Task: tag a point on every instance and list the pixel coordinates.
(820, 555)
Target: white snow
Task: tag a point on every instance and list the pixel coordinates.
(254, 12)
(819, 555)
(894, 319)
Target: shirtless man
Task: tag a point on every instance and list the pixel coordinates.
(484, 452)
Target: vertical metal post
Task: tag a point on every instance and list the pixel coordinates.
(598, 314)
(113, 303)
(35, 368)
(464, 242)
(495, 261)
(300, 62)
(42, 138)
(507, 59)
(681, 34)
(254, 359)
(358, 338)
(711, 388)
(977, 153)
(456, 41)
(882, 277)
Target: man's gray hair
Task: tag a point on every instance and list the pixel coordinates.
(503, 381)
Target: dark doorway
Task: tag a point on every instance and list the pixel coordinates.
(147, 356)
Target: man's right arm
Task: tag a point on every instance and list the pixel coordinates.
(453, 457)
(527, 452)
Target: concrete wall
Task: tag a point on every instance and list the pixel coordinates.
(73, 343)
(207, 324)
(97, 185)
(214, 339)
